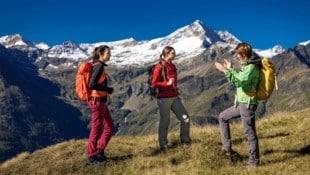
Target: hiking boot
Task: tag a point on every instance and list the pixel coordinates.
(163, 148)
(186, 142)
(92, 161)
(99, 156)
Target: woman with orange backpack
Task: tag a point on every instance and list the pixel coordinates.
(165, 81)
(102, 125)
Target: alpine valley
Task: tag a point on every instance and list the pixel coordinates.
(37, 85)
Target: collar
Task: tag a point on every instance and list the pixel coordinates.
(165, 62)
(243, 63)
(103, 63)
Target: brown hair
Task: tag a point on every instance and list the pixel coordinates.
(165, 52)
(99, 50)
(244, 49)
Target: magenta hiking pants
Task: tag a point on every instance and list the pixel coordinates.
(102, 127)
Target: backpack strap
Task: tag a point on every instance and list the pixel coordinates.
(257, 61)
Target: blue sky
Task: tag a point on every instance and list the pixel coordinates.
(262, 23)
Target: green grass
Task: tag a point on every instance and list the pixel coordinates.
(283, 138)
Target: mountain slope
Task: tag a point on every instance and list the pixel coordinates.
(31, 114)
(284, 149)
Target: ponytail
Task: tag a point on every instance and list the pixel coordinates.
(95, 55)
(161, 57)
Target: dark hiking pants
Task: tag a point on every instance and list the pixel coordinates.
(176, 106)
(247, 115)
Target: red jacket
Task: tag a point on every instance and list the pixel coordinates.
(160, 82)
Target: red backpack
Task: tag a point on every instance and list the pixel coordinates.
(82, 79)
(150, 70)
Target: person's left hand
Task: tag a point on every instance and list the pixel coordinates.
(227, 64)
(220, 67)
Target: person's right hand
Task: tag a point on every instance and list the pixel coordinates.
(170, 82)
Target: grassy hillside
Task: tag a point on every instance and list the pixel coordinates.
(284, 148)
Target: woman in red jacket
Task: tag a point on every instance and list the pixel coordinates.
(165, 80)
(102, 125)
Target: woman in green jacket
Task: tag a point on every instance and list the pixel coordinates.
(245, 105)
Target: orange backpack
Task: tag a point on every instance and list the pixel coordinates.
(82, 79)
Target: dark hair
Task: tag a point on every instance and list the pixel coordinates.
(165, 52)
(99, 50)
(244, 49)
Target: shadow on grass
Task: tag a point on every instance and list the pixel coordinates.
(301, 152)
(120, 158)
(295, 153)
(112, 160)
(240, 140)
(174, 144)
(275, 135)
(236, 157)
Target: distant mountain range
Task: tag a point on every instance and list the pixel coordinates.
(39, 107)
(189, 41)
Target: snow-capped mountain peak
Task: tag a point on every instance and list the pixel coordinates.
(17, 41)
(228, 37)
(42, 46)
(12, 40)
(199, 30)
(304, 43)
(67, 50)
(275, 50)
(188, 41)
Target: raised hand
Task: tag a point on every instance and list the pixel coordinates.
(220, 66)
(227, 64)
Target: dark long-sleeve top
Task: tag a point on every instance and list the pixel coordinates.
(98, 80)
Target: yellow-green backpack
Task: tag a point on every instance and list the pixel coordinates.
(267, 81)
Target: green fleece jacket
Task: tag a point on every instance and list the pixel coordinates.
(245, 81)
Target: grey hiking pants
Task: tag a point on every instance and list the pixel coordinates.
(175, 104)
(248, 121)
